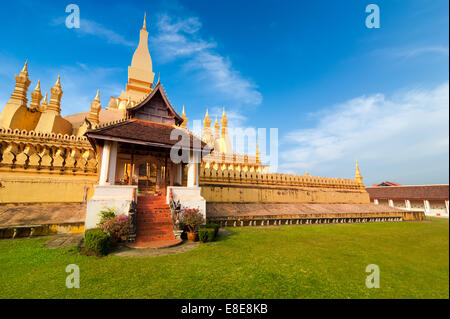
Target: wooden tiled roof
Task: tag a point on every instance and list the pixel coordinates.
(146, 133)
(413, 192)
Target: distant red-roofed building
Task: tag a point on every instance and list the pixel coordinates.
(432, 199)
(387, 184)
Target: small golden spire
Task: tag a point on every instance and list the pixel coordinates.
(55, 97)
(258, 154)
(185, 119)
(25, 68)
(207, 133)
(216, 124)
(207, 119)
(307, 173)
(94, 115)
(36, 97)
(58, 82)
(359, 177)
(44, 103)
(224, 122)
(97, 97)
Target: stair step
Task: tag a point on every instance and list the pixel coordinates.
(154, 233)
(150, 239)
(154, 214)
(139, 207)
(154, 219)
(153, 209)
(149, 212)
(149, 201)
(156, 223)
(145, 228)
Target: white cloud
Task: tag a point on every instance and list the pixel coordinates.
(178, 39)
(404, 138)
(89, 27)
(181, 39)
(414, 51)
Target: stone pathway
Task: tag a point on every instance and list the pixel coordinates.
(68, 240)
(124, 251)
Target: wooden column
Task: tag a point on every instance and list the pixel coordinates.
(165, 176)
(105, 163)
(112, 163)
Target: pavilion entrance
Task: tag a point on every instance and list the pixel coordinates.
(148, 168)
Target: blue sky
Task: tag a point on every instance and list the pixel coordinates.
(336, 90)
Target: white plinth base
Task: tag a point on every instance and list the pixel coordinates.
(109, 196)
(189, 197)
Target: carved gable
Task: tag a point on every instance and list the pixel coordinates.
(155, 108)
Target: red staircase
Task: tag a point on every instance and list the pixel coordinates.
(154, 226)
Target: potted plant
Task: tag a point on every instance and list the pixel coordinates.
(192, 218)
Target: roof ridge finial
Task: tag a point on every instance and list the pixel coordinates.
(38, 86)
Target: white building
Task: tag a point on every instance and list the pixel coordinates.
(432, 199)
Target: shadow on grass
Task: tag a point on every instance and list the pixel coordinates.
(224, 234)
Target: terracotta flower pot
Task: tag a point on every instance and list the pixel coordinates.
(193, 237)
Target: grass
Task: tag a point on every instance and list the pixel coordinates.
(317, 261)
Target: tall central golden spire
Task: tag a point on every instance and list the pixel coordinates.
(140, 74)
(145, 21)
(141, 65)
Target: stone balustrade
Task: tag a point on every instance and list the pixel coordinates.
(31, 150)
(212, 176)
(286, 220)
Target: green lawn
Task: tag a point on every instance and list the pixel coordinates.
(317, 261)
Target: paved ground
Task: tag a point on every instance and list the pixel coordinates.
(60, 241)
(154, 252)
